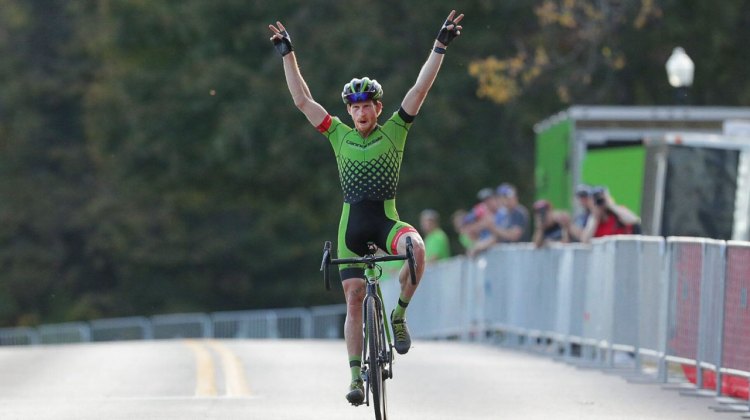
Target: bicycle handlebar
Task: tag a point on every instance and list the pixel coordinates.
(367, 259)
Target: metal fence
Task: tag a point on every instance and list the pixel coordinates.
(668, 310)
(317, 322)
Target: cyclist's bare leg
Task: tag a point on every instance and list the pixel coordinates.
(354, 291)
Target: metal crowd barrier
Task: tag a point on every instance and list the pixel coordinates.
(673, 310)
(735, 334)
(442, 302)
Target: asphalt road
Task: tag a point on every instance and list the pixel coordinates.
(214, 379)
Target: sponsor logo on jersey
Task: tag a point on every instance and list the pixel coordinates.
(366, 144)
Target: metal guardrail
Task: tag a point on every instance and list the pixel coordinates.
(71, 332)
(317, 322)
(118, 329)
(19, 336)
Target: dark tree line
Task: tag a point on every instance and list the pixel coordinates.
(151, 159)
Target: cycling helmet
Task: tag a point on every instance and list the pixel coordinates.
(360, 90)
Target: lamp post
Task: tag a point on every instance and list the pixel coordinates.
(680, 69)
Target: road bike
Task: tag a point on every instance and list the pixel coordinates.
(377, 343)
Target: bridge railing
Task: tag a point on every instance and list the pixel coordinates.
(316, 322)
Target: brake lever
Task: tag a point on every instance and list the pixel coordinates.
(324, 264)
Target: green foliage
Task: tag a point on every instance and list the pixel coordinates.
(151, 158)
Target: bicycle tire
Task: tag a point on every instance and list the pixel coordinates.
(375, 343)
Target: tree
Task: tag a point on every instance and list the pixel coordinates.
(44, 169)
(575, 51)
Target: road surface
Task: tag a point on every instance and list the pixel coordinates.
(277, 380)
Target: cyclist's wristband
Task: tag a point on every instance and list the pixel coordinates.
(283, 45)
(405, 116)
(439, 50)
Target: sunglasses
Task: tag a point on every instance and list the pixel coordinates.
(359, 96)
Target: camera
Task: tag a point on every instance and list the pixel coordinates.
(542, 212)
(541, 207)
(598, 194)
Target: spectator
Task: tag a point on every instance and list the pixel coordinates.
(482, 214)
(436, 242)
(608, 218)
(549, 225)
(464, 238)
(585, 202)
(510, 223)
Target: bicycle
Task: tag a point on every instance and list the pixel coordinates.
(377, 343)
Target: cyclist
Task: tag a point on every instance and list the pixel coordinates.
(369, 159)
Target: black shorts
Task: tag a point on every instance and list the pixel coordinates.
(368, 221)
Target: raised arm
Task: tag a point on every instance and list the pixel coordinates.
(301, 95)
(417, 94)
(625, 215)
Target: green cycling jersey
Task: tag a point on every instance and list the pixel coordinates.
(368, 167)
(368, 170)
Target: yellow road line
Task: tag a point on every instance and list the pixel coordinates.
(205, 385)
(234, 371)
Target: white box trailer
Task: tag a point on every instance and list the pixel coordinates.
(698, 184)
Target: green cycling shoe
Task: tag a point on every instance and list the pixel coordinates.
(401, 334)
(356, 394)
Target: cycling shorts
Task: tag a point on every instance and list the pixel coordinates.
(368, 221)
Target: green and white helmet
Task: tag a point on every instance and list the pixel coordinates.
(360, 90)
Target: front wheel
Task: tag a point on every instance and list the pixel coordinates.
(375, 342)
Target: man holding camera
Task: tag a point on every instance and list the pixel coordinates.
(578, 224)
(608, 218)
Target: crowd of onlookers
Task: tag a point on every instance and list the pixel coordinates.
(498, 217)
(599, 215)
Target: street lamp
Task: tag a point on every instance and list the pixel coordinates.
(680, 69)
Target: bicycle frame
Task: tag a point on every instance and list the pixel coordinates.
(373, 290)
(377, 359)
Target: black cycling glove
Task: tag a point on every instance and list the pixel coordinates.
(283, 45)
(446, 35)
